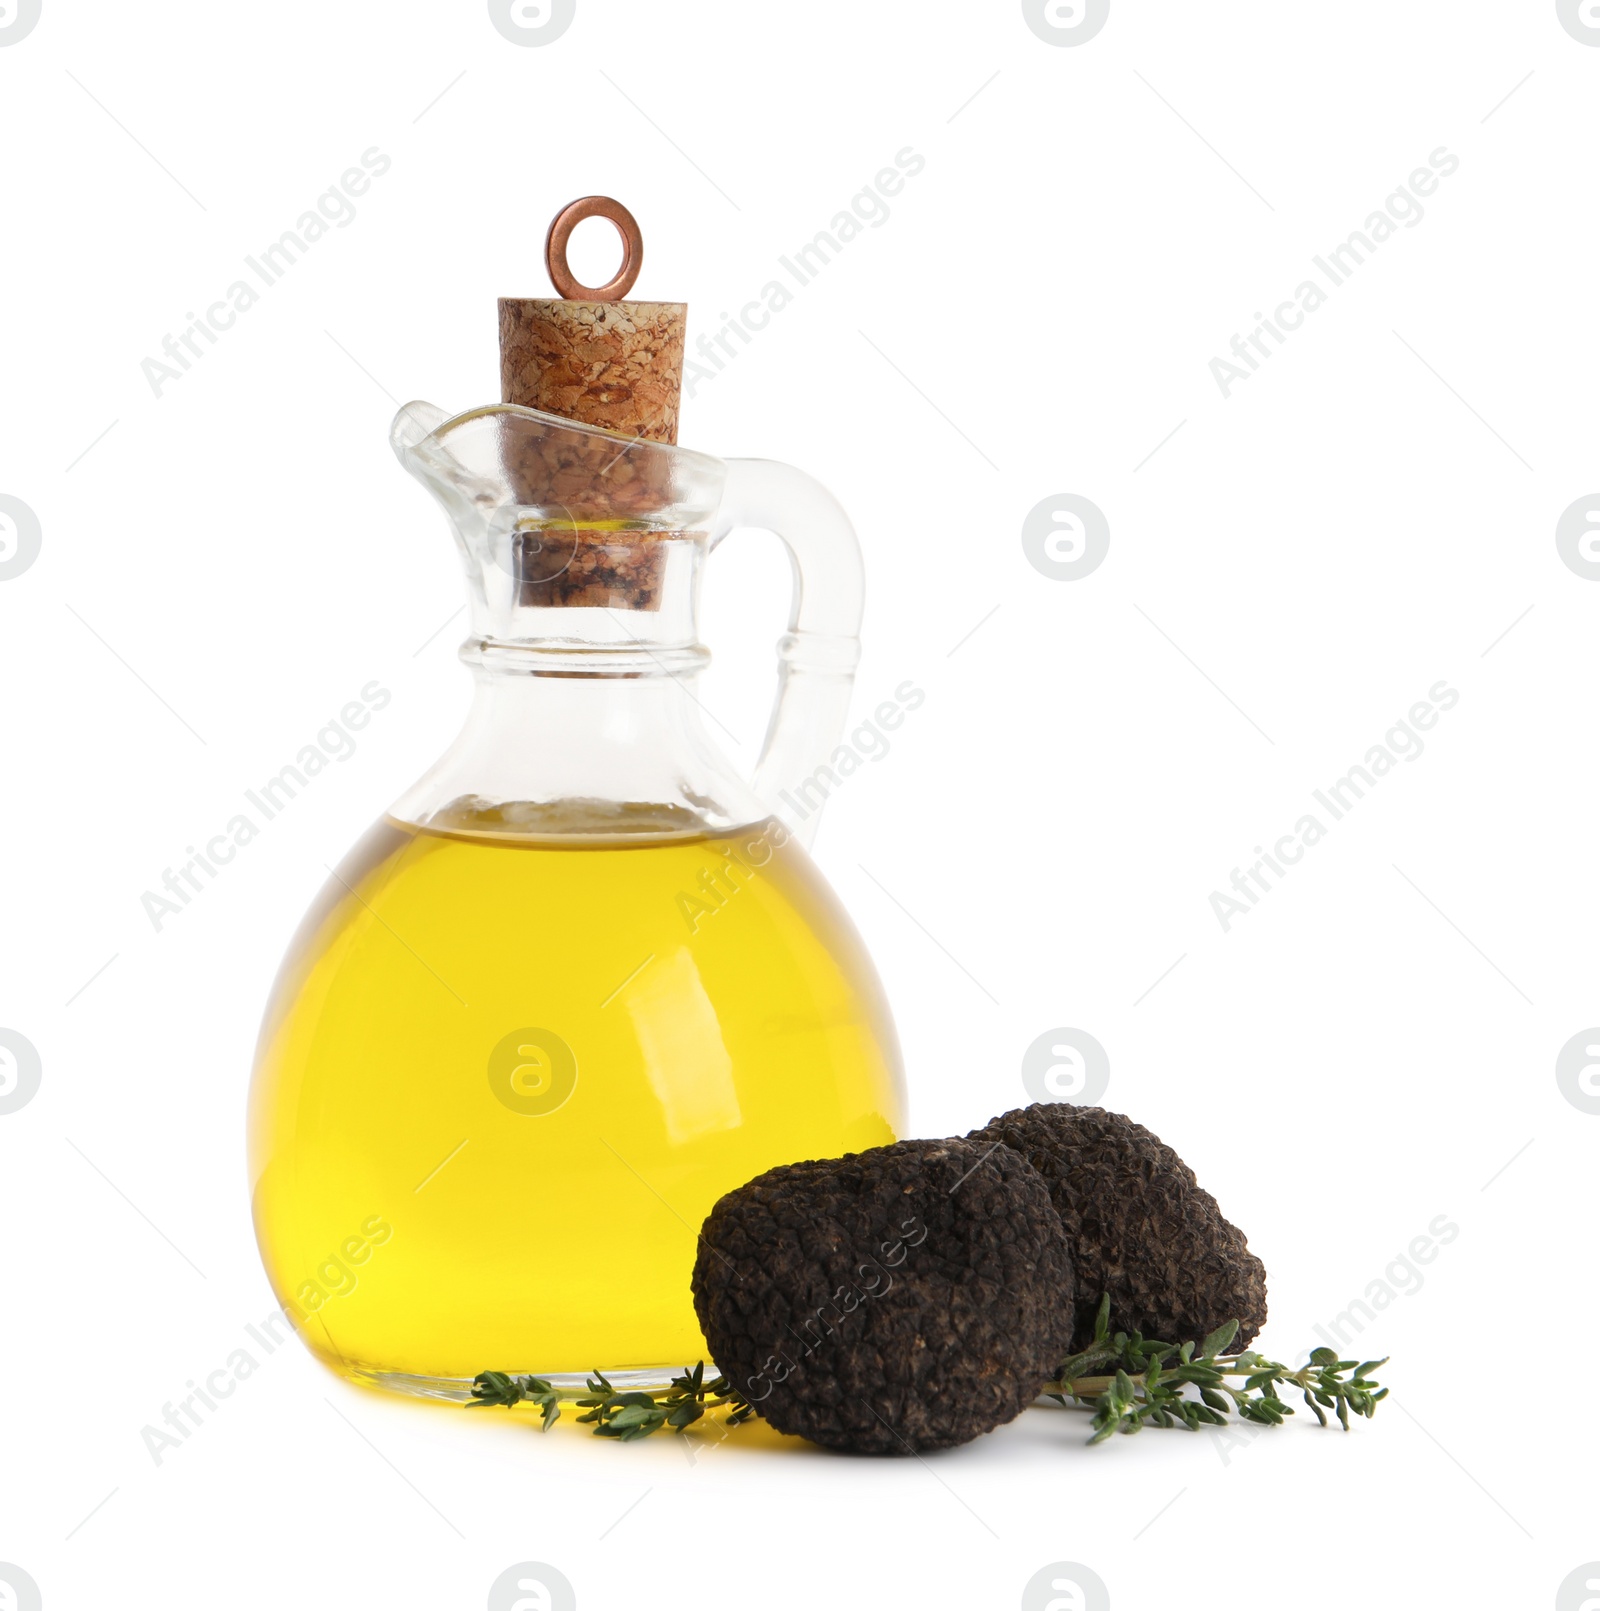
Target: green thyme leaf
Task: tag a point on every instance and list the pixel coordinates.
(1219, 1339)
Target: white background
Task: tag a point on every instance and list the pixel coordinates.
(1371, 1047)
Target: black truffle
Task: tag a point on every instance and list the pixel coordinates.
(906, 1298)
(1139, 1226)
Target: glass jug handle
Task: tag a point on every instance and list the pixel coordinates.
(817, 656)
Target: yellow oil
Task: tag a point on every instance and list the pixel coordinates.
(502, 1080)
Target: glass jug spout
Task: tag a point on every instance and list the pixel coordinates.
(583, 551)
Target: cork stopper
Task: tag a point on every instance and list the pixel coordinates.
(616, 365)
(591, 356)
(594, 358)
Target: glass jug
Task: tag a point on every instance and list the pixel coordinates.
(581, 979)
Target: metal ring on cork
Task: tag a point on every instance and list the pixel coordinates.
(555, 249)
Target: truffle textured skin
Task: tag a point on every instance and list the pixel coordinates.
(1139, 1225)
(910, 1297)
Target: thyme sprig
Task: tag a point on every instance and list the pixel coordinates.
(494, 1387)
(624, 1415)
(1147, 1382)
